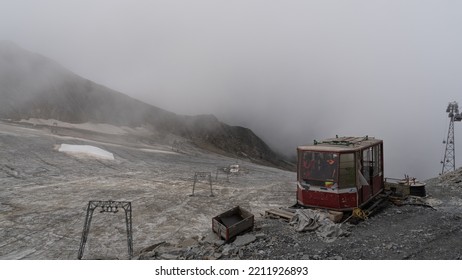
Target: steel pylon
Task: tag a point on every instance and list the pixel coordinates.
(449, 161)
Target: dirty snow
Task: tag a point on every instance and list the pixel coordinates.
(86, 150)
(95, 127)
(44, 193)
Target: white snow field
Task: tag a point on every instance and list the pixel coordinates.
(86, 150)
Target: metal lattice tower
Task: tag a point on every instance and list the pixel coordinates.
(449, 161)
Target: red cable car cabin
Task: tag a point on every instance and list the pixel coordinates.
(341, 173)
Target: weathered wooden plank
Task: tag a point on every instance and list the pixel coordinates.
(280, 212)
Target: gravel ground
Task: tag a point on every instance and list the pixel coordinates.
(394, 233)
(428, 228)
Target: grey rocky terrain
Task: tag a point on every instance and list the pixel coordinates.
(44, 194)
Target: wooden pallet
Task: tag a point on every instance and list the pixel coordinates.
(334, 216)
(279, 213)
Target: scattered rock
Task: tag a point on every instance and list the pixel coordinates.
(227, 249)
(241, 253)
(211, 237)
(151, 248)
(245, 239)
(167, 256)
(188, 242)
(260, 235)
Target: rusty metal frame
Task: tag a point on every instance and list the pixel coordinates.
(223, 169)
(108, 207)
(202, 175)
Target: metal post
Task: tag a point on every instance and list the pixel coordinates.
(225, 170)
(210, 181)
(194, 184)
(86, 229)
(128, 222)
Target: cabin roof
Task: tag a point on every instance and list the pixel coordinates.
(342, 144)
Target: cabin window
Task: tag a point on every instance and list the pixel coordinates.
(372, 162)
(347, 170)
(368, 165)
(318, 167)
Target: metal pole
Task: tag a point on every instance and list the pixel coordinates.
(194, 184)
(86, 229)
(210, 181)
(128, 222)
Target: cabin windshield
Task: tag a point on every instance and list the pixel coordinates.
(316, 168)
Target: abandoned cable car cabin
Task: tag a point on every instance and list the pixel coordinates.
(341, 173)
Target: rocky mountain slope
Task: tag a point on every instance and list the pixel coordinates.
(33, 86)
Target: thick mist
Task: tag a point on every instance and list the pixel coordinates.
(292, 71)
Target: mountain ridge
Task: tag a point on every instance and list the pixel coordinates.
(34, 86)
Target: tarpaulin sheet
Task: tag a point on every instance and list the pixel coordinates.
(316, 220)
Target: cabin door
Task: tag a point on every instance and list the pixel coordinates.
(366, 171)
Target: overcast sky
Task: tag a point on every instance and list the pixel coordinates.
(292, 71)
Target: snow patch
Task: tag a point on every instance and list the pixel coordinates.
(86, 150)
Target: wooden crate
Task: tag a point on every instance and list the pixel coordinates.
(335, 216)
(397, 190)
(232, 222)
